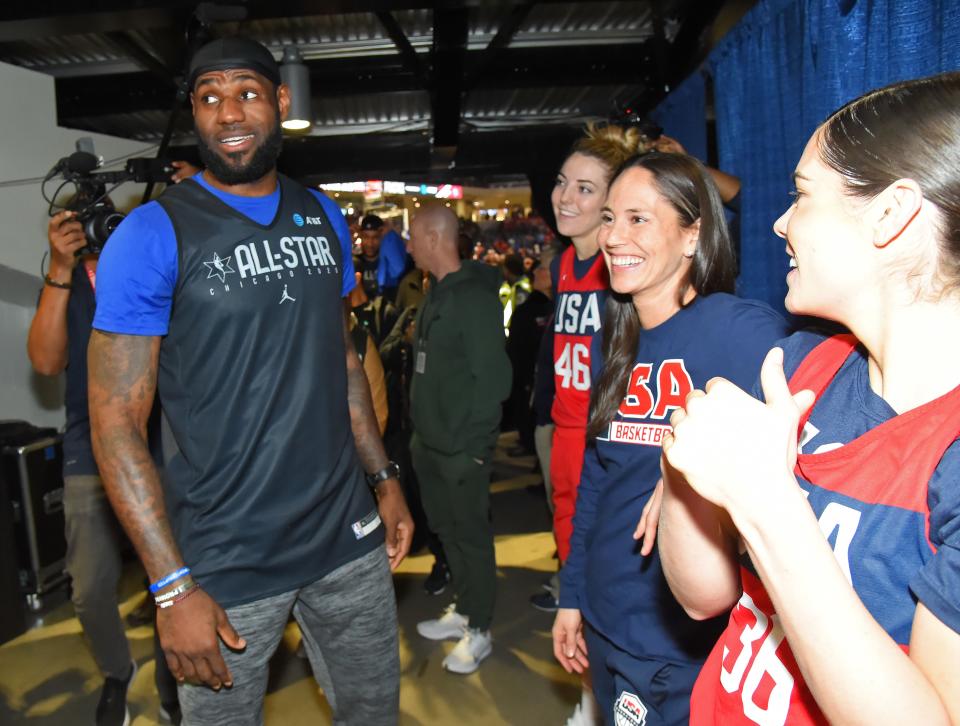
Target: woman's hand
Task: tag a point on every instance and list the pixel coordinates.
(569, 647)
(649, 519)
(731, 447)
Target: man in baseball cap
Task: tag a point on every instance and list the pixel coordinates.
(231, 53)
(264, 508)
(383, 258)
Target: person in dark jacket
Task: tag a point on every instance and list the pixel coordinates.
(526, 329)
(461, 374)
(396, 352)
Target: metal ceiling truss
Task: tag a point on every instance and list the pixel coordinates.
(478, 108)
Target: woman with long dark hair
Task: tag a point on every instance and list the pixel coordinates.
(841, 483)
(580, 287)
(671, 324)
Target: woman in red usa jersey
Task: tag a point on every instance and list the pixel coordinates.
(580, 279)
(670, 325)
(840, 482)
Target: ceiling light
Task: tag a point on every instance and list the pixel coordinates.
(295, 74)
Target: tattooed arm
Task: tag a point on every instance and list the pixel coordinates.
(122, 382)
(363, 421)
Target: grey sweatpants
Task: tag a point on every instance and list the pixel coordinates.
(93, 561)
(349, 624)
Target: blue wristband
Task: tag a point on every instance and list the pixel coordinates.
(172, 577)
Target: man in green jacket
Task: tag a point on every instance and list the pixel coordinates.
(461, 374)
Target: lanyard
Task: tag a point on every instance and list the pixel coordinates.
(92, 276)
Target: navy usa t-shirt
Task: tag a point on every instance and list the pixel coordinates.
(264, 489)
(622, 594)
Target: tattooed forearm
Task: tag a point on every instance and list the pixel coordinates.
(122, 382)
(363, 419)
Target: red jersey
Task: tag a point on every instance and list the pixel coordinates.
(870, 498)
(579, 314)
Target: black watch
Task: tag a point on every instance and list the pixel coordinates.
(390, 471)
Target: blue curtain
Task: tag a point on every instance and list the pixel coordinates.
(782, 70)
(682, 114)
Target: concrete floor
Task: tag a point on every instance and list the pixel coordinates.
(47, 677)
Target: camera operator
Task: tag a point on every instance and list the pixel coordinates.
(58, 341)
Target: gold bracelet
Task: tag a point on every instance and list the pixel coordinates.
(47, 280)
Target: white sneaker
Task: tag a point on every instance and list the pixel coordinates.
(466, 656)
(449, 626)
(578, 718)
(586, 712)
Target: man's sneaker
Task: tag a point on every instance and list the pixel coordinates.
(544, 601)
(112, 708)
(438, 578)
(449, 626)
(466, 656)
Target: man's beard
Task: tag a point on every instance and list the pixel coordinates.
(263, 161)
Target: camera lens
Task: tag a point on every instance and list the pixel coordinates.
(100, 225)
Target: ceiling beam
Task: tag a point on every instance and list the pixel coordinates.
(133, 49)
(408, 55)
(450, 29)
(499, 42)
(407, 156)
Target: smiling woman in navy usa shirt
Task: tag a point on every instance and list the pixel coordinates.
(671, 324)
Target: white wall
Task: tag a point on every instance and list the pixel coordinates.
(31, 143)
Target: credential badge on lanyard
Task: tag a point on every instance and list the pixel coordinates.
(421, 364)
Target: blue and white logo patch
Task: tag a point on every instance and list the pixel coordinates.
(629, 710)
(298, 220)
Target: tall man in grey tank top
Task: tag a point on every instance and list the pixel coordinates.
(264, 508)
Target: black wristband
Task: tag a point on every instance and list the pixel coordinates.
(47, 280)
(390, 471)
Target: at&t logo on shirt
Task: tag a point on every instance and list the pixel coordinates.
(300, 220)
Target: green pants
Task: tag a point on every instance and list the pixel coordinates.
(456, 498)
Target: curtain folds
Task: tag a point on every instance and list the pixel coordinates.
(782, 70)
(682, 114)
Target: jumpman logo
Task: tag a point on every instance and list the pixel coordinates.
(286, 296)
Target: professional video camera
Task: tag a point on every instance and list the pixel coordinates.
(627, 115)
(91, 202)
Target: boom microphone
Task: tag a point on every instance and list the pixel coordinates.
(80, 162)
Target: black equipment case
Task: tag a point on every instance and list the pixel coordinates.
(31, 473)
